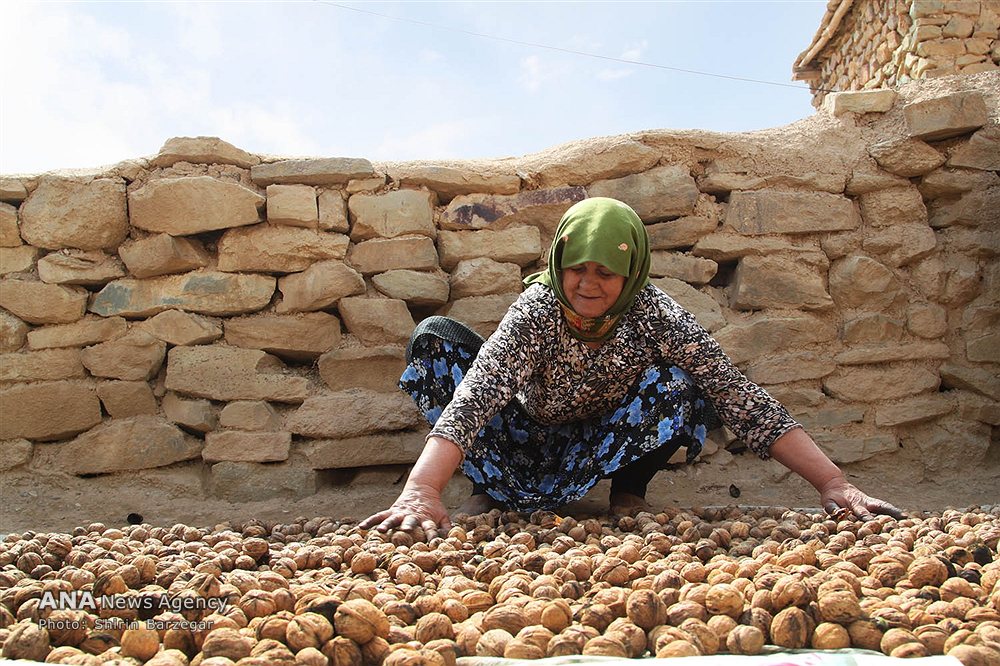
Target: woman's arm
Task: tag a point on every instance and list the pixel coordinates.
(419, 504)
(797, 451)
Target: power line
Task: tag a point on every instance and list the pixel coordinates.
(564, 50)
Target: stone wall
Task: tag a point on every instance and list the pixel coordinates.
(867, 44)
(242, 319)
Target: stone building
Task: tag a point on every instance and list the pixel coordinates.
(866, 44)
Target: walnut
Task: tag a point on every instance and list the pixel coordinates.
(612, 570)
(790, 591)
(68, 627)
(724, 599)
(894, 638)
(226, 643)
(556, 615)
(493, 643)
(933, 638)
(509, 618)
(561, 646)
(273, 626)
(467, 637)
(927, 571)
(26, 641)
(956, 587)
(536, 634)
(308, 630)
(519, 648)
(361, 621)
(448, 650)
(595, 615)
(455, 610)
(607, 646)
(413, 657)
(791, 628)
(342, 651)
(721, 625)
(839, 606)
(682, 610)
(141, 643)
(830, 636)
(170, 658)
(910, 651)
(677, 649)
(631, 635)
(434, 626)
(374, 651)
(972, 655)
(705, 639)
(257, 603)
(744, 639)
(645, 609)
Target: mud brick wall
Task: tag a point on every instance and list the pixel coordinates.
(243, 318)
(866, 44)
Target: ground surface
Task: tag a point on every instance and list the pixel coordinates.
(175, 495)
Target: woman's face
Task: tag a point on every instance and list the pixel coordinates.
(591, 289)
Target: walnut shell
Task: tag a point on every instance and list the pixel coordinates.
(790, 591)
(677, 649)
(791, 628)
(972, 655)
(910, 651)
(927, 571)
(721, 625)
(411, 657)
(561, 646)
(308, 630)
(141, 643)
(509, 618)
(645, 609)
(894, 638)
(595, 615)
(631, 635)
(342, 652)
(724, 599)
(607, 646)
(361, 621)
(226, 642)
(682, 610)
(519, 648)
(26, 641)
(537, 635)
(745, 639)
(556, 615)
(493, 643)
(434, 626)
(706, 639)
(840, 606)
(446, 648)
(830, 636)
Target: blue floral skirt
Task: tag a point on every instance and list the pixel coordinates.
(528, 465)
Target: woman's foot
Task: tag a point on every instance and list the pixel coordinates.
(477, 504)
(626, 504)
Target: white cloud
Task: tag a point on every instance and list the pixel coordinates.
(536, 72)
(631, 52)
(199, 33)
(429, 55)
(84, 103)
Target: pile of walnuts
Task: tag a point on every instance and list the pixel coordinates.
(677, 583)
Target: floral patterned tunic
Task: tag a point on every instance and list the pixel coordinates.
(558, 379)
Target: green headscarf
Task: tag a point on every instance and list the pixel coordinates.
(610, 233)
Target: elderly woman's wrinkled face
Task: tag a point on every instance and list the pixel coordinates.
(591, 288)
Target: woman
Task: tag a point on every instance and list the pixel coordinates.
(593, 372)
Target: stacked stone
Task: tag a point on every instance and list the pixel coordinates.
(863, 53)
(252, 317)
(881, 44)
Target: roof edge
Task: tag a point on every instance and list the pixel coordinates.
(827, 28)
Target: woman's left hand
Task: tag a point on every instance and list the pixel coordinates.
(838, 493)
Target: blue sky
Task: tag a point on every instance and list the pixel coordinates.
(91, 83)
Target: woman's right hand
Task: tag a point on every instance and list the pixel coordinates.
(417, 506)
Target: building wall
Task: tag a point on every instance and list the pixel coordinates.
(243, 322)
(885, 43)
